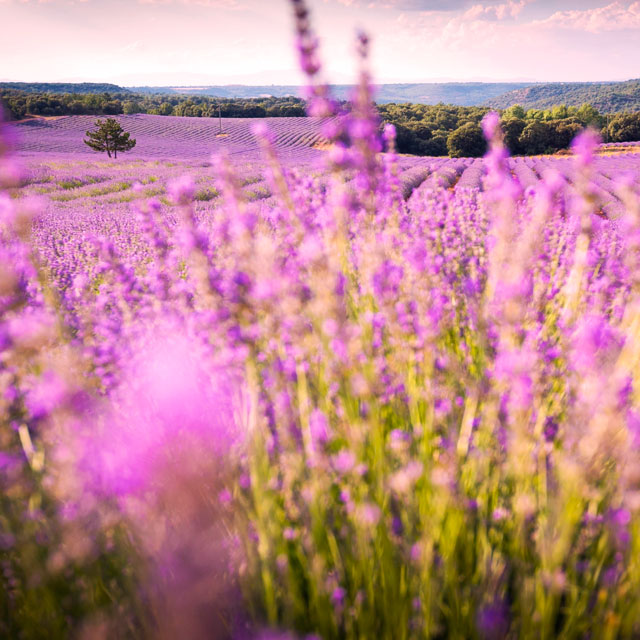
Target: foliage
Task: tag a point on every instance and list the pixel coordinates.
(606, 97)
(512, 127)
(62, 87)
(624, 128)
(467, 141)
(540, 136)
(110, 137)
(424, 130)
(21, 104)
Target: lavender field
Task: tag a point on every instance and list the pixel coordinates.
(60, 165)
(279, 384)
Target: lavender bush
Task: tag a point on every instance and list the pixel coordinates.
(368, 404)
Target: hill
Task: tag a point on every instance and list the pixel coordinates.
(457, 93)
(606, 97)
(63, 87)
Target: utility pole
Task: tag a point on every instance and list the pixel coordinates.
(220, 116)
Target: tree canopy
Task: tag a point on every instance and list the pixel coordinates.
(110, 137)
(467, 141)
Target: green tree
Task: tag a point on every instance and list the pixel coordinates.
(512, 129)
(537, 138)
(559, 112)
(466, 141)
(132, 106)
(624, 128)
(589, 116)
(535, 114)
(563, 132)
(514, 111)
(109, 136)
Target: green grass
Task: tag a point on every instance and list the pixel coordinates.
(206, 194)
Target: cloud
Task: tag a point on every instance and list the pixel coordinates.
(470, 8)
(427, 5)
(612, 17)
(216, 4)
(506, 11)
(409, 5)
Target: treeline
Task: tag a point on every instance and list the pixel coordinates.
(21, 104)
(443, 130)
(63, 87)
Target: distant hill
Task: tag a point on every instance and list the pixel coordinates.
(457, 93)
(63, 87)
(606, 97)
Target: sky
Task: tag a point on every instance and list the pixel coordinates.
(193, 42)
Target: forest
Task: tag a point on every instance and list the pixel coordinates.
(440, 130)
(22, 103)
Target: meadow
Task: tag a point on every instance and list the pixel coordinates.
(307, 389)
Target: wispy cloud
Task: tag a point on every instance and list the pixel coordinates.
(505, 11)
(471, 9)
(612, 17)
(409, 5)
(216, 4)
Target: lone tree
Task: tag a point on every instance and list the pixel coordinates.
(109, 137)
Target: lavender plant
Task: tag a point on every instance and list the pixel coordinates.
(369, 403)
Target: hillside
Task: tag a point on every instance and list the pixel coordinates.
(606, 97)
(63, 87)
(457, 93)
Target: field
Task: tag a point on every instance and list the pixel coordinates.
(307, 389)
(63, 168)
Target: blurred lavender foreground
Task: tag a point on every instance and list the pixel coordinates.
(335, 413)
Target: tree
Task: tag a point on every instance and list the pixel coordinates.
(467, 141)
(589, 116)
(109, 137)
(132, 106)
(559, 112)
(564, 131)
(536, 138)
(514, 111)
(625, 128)
(512, 129)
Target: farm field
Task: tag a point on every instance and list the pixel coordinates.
(315, 389)
(70, 176)
(175, 137)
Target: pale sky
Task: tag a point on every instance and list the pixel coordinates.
(191, 42)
